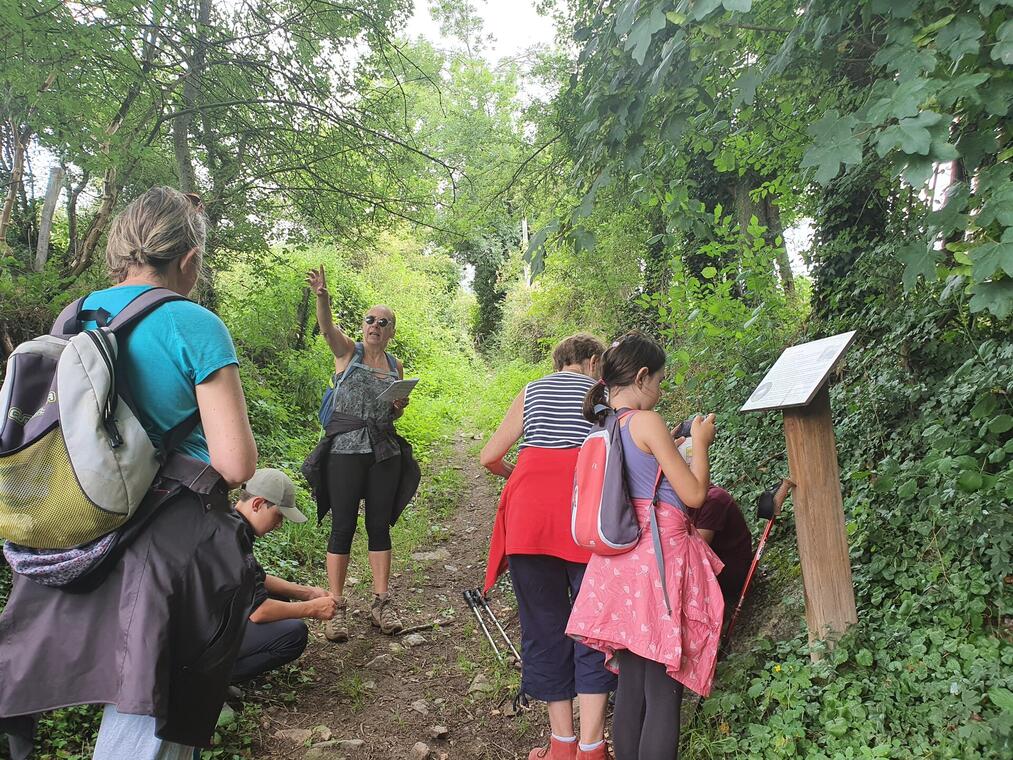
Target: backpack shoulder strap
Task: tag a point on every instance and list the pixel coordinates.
(172, 439)
(392, 362)
(357, 355)
(68, 322)
(141, 306)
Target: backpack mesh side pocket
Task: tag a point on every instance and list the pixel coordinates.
(41, 512)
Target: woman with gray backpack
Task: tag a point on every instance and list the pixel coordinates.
(132, 579)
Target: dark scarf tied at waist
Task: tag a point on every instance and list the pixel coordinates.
(386, 444)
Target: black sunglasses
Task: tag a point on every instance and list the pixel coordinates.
(381, 321)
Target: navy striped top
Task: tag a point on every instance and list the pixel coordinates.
(552, 411)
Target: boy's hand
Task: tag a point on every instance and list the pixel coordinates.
(315, 592)
(401, 403)
(321, 608)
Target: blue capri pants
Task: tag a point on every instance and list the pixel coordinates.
(554, 666)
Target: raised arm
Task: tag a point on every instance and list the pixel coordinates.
(649, 432)
(341, 345)
(227, 425)
(506, 435)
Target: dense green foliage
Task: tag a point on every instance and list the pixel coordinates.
(668, 160)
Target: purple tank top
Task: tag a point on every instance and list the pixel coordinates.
(641, 470)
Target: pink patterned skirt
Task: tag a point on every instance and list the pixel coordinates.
(621, 604)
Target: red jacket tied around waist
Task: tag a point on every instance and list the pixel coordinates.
(534, 511)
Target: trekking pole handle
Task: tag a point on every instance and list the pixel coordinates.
(469, 598)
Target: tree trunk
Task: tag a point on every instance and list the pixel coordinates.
(181, 124)
(744, 213)
(46, 224)
(110, 191)
(775, 230)
(17, 170)
(73, 193)
(303, 318)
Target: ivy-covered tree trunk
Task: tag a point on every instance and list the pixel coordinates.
(775, 232)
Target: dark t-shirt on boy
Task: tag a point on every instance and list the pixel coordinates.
(732, 541)
(260, 594)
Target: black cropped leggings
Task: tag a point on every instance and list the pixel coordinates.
(647, 714)
(350, 479)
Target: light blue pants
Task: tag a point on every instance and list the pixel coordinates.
(132, 737)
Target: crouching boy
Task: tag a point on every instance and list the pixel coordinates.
(275, 634)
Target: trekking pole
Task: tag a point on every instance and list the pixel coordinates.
(472, 602)
(769, 506)
(495, 620)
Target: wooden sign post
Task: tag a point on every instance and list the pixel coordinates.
(796, 384)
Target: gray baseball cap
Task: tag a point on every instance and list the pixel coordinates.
(277, 488)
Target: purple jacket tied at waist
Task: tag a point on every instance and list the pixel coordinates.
(157, 634)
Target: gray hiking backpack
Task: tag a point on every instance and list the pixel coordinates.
(75, 462)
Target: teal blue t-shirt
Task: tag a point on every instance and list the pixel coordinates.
(167, 354)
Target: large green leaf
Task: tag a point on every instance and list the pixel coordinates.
(910, 135)
(746, 86)
(535, 254)
(964, 86)
(960, 37)
(643, 31)
(834, 144)
(995, 296)
(625, 15)
(998, 96)
(998, 207)
(584, 240)
(919, 261)
(1003, 48)
(741, 6)
(951, 217)
(703, 8)
(905, 101)
(990, 257)
(987, 6)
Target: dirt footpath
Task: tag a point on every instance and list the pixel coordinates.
(378, 696)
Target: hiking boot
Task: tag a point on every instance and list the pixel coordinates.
(383, 615)
(601, 752)
(336, 629)
(556, 750)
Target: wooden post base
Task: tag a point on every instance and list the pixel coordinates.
(819, 519)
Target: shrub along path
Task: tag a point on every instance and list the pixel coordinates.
(377, 696)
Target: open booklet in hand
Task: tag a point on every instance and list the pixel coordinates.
(397, 390)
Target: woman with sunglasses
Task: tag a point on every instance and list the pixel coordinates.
(364, 459)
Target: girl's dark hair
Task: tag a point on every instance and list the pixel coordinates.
(576, 349)
(619, 367)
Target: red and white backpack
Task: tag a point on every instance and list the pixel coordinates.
(602, 518)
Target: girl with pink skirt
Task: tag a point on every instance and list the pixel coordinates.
(658, 636)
